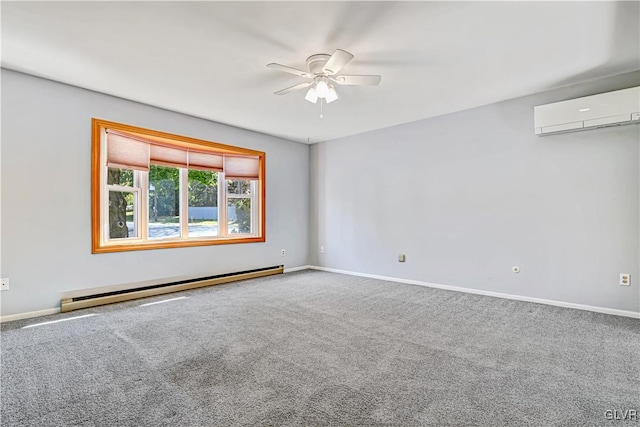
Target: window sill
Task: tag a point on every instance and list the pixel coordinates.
(165, 244)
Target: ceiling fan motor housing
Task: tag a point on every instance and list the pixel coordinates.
(315, 63)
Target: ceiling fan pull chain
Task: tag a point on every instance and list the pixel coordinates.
(321, 115)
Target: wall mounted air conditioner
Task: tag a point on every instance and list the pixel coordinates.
(620, 107)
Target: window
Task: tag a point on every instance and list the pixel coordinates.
(155, 190)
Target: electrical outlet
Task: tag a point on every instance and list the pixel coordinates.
(402, 258)
(321, 249)
(283, 252)
(625, 279)
(4, 284)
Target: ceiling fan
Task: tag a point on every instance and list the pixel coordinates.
(323, 71)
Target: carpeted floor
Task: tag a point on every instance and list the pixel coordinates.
(314, 348)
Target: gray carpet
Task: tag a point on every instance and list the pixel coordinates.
(315, 348)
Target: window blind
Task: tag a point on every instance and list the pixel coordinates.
(205, 161)
(245, 167)
(123, 152)
(167, 156)
(132, 152)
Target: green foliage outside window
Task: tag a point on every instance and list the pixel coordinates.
(164, 197)
(203, 188)
(164, 192)
(243, 214)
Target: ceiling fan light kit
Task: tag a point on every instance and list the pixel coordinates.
(322, 90)
(332, 95)
(323, 70)
(311, 95)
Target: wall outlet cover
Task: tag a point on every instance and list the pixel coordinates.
(4, 284)
(625, 279)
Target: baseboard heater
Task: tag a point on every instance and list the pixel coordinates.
(101, 296)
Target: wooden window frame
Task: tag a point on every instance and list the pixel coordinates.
(99, 187)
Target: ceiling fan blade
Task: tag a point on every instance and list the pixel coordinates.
(339, 59)
(292, 88)
(290, 70)
(357, 80)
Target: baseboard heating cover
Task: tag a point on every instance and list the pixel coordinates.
(108, 295)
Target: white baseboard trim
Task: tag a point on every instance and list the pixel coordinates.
(604, 310)
(29, 314)
(292, 269)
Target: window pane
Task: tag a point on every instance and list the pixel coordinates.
(122, 206)
(203, 203)
(238, 187)
(164, 202)
(122, 177)
(239, 215)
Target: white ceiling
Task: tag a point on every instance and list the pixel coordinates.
(208, 59)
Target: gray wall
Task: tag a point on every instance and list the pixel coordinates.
(480, 193)
(468, 196)
(46, 196)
